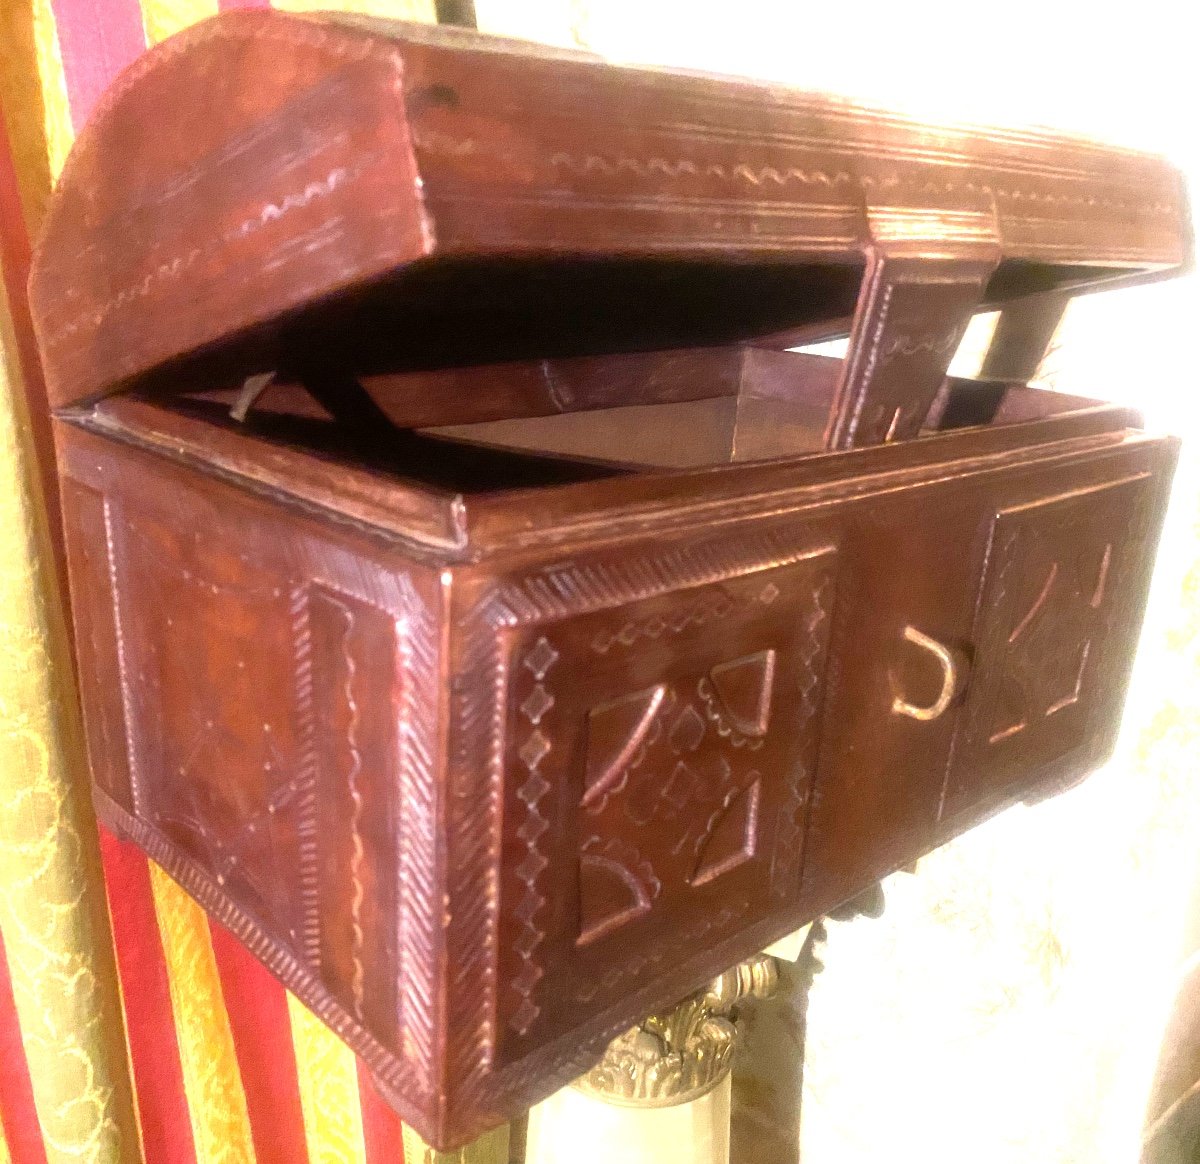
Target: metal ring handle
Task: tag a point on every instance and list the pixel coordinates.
(949, 663)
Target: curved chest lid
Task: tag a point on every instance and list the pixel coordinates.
(269, 191)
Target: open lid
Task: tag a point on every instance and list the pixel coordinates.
(271, 191)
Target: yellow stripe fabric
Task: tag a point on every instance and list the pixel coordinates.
(52, 909)
(164, 18)
(215, 1097)
(20, 97)
(491, 1148)
(5, 1158)
(329, 1095)
(420, 10)
(56, 108)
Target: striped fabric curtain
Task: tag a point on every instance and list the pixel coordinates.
(131, 1027)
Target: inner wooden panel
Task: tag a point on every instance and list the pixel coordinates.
(298, 424)
(670, 436)
(770, 419)
(701, 407)
(457, 314)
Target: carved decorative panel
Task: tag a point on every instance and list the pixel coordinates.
(213, 635)
(659, 720)
(908, 324)
(88, 519)
(1057, 608)
(270, 724)
(348, 845)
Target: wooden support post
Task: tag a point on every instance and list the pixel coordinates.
(1022, 337)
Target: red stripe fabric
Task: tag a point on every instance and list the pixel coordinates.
(262, 1040)
(226, 5)
(149, 1018)
(18, 1115)
(383, 1134)
(14, 238)
(98, 38)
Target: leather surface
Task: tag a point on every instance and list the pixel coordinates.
(482, 815)
(545, 190)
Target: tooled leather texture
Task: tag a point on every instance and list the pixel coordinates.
(587, 159)
(480, 819)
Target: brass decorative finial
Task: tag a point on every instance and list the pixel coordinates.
(681, 1054)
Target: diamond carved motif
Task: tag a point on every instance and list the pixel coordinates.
(534, 750)
(537, 703)
(541, 658)
(672, 793)
(662, 743)
(687, 731)
(1056, 606)
(1054, 583)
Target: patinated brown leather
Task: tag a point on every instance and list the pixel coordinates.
(517, 201)
(492, 738)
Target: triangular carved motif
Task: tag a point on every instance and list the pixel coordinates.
(730, 839)
(744, 688)
(615, 886)
(615, 733)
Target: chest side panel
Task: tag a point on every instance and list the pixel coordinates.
(260, 695)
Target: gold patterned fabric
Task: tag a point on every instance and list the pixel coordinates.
(52, 913)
